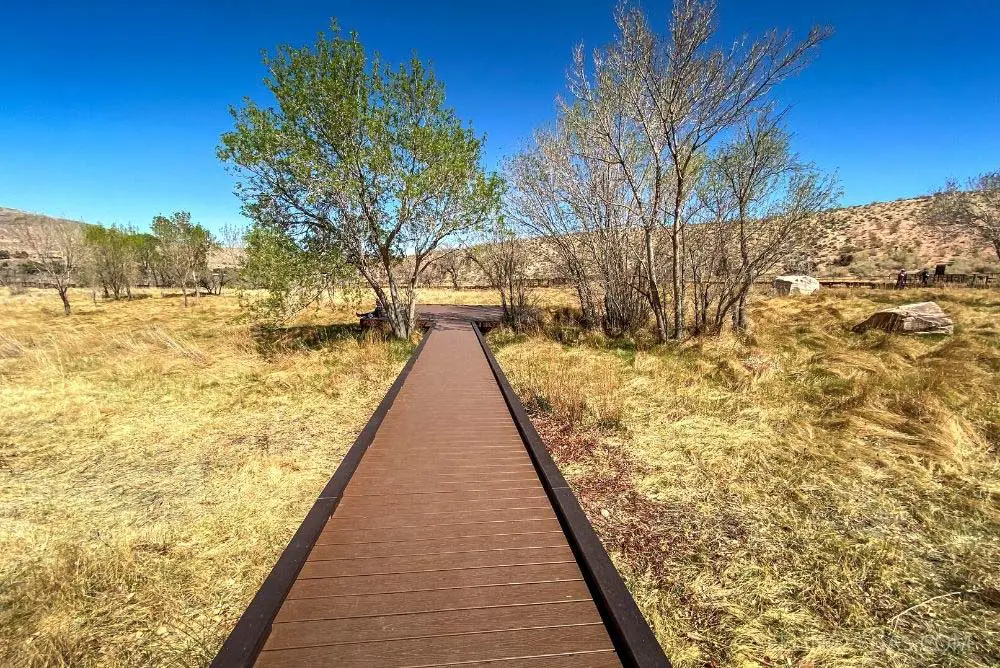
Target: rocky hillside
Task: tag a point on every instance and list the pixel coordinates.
(10, 217)
(873, 240)
(11, 249)
(879, 238)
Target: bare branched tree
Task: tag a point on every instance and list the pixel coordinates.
(973, 209)
(571, 192)
(678, 93)
(504, 258)
(536, 202)
(55, 248)
(454, 263)
(762, 203)
(230, 253)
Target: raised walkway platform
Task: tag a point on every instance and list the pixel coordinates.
(483, 316)
(446, 537)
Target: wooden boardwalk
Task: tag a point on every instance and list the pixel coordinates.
(446, 541)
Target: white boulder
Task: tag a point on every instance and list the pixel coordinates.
(922, 318)
(795, 285)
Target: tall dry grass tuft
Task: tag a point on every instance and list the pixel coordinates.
(153, 464)
(803, 496)
(572, 387)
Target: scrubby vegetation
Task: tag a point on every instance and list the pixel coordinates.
(154, 462)
(802, 496)
(799, 496)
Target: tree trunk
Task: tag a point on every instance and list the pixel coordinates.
(654, 289)
(740, 323)
(64, 295)
(588, 310)
(401, 315)
(675, 264)
(679, 331)
(411, 314)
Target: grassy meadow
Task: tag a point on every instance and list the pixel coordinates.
(800, 497)
(154, 462)
(804, 496)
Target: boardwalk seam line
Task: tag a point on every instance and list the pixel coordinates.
(248, 636)
(570, 601)
(424, 612)
(442, 635)
(393, 592)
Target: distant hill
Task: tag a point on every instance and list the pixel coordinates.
(881, 237)
(872, 240)
(224, 257)
(8, 217)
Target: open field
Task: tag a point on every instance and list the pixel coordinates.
(797, 498)
(154, 461)
(806, 497)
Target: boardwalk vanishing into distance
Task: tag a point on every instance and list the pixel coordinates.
(446, 537)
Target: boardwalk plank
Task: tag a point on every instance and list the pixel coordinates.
(287, 635)
(446, 649)
(430, 562)
(403, 582)
(334, 607)
(449, 517)
(340, 535)
(425, 546)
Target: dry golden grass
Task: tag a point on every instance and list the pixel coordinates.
(154, 462)
(803, 497)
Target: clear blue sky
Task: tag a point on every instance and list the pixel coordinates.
(111, 111)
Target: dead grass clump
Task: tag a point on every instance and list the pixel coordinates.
(803, 496)
(572, 387)
(153, 464)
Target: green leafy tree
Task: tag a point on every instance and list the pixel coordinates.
(112, 255)
(361, 159)
(148, 257)
(279, 278)
(185, 247)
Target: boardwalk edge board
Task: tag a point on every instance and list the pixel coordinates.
(633, 639)
(251, 631)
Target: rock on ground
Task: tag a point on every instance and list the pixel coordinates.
(795, 285)
(922, 318)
